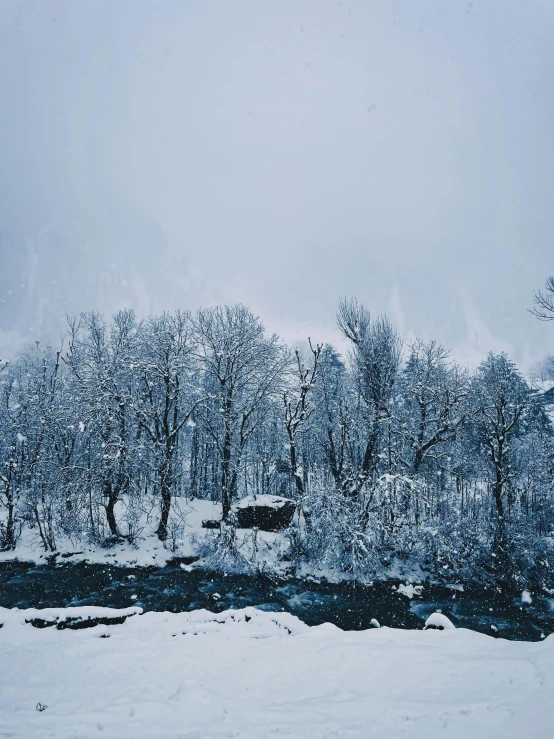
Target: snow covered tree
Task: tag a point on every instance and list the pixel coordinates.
(335, 419)
(243, 368)
(298, 409)
(167, 396)
(102, 359)
(431, 401)
(375, 359)
(500, 397)
(417, 463)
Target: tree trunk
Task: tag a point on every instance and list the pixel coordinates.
(194, 454)
(299, 482)
(418, 459)
(225, 475)
(500, 543)
(497, 489)
(9, 539)
(112, 498)
(165, 493)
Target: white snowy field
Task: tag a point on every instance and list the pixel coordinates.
(252, 674)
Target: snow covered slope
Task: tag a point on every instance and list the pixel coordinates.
(252, 674)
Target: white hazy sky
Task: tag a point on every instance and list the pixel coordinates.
(281, 153)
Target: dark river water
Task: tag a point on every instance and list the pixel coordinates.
(172, 588)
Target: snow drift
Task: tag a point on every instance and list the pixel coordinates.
(254, 674)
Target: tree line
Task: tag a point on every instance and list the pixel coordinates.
(393, 452)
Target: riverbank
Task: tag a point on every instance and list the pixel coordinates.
(253, 675)
(255, 552)
(351, 606)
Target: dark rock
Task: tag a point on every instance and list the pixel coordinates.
(265, 512)
(77, 623)
(211, 524)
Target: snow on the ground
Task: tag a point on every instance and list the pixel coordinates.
(252, 674)
(146, 550)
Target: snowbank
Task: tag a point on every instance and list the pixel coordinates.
(43, 617)
(250, 622)
(253, 674)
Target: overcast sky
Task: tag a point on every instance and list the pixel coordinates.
(282, 154)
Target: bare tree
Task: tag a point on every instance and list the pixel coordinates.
(500, 398)
(375, 359)
(244, 368)
(544, 301)
(13, 457)
(41, 445)
(167, 396)
(298, 410)
(431, 400)
(335, 422)
(102, 359)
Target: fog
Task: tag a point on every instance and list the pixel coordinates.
(281, 154)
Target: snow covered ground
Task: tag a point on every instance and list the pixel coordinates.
(252, 674)
(147, 548)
